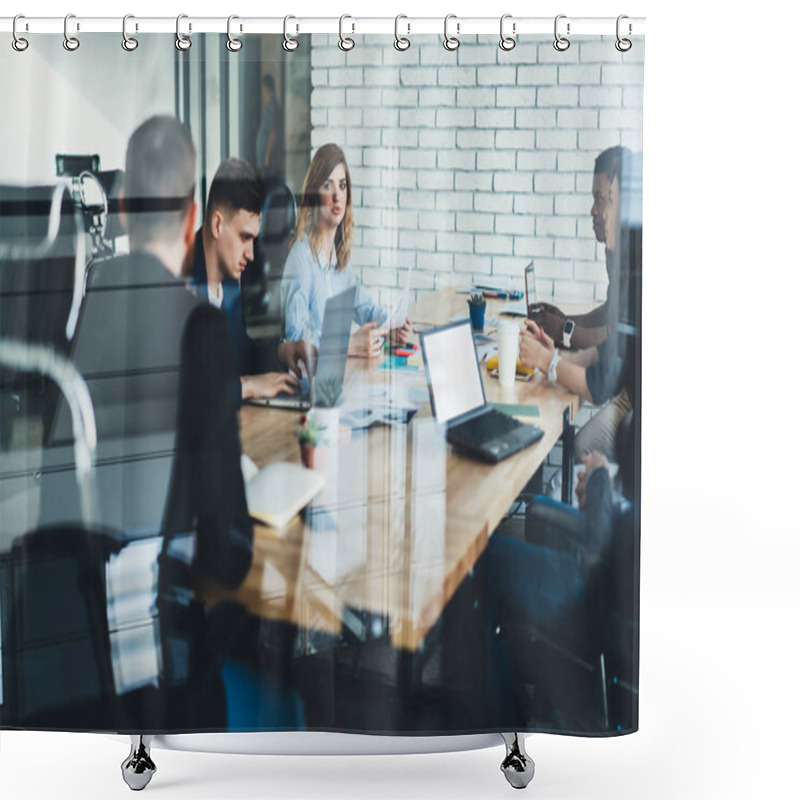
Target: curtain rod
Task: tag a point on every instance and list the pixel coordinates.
(407, 26)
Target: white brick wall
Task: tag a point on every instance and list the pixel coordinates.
(467, 165)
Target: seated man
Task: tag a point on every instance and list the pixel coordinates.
(141, 342)
(127, 341)
(204, 491)
(614, 170)
(223, 248)
(590, 329)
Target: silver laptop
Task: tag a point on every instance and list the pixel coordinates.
(459, 402)
(332, 356)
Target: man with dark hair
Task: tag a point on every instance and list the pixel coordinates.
(223, 248)
(269, 139)
(592, 328)
(601, 372)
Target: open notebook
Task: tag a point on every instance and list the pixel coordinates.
(278, 492)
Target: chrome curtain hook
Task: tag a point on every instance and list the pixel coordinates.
(451, 42)
(18, 42)
(561, 43)
(401, 42)
(345, 42)
(233, 44)
(70, 42)
(507, 42)
(182, 42)
(623, 45)
(128, 42)
(289, 44)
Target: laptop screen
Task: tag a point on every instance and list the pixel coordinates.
(453, 372)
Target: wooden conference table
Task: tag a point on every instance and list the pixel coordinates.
(402, 519)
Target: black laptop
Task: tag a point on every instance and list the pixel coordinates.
(459, 402)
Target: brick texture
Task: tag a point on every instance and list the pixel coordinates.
(469, 164)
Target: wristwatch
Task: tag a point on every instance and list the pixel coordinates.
(566, 335)
(551, 370)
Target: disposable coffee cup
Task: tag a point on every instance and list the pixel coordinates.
(507, 350)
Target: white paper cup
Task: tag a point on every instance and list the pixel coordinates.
(507, 350)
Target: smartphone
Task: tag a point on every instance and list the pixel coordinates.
(531, 304)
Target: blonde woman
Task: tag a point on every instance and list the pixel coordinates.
(317, 265)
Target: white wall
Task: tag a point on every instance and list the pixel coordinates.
(466, 165)
(76, 109)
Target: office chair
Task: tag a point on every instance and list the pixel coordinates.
(57, 668)
(261, 281)
(601, 671)
(56, 648)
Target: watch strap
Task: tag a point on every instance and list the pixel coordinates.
(567, 336)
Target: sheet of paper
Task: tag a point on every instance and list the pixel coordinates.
(382, 405)
(398, 316)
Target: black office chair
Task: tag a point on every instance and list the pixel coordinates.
(599, 673)
(57, 669)
(262, 280)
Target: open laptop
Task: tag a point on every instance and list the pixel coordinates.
(332, 355)
(459, 402)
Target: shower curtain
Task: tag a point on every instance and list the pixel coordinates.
(188, 229)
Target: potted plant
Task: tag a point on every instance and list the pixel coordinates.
(308, 435)
(325, 397)
(477, 310)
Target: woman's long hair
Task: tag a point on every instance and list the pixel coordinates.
(325, 161)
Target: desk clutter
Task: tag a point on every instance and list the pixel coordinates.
(320, 381)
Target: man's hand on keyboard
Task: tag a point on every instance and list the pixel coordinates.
(269, 384)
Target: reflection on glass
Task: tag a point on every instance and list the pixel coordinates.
(428, 518)
(131, 595)
(337, 539)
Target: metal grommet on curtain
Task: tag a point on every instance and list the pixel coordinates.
(182, 42)
(233, 44)
(289, 44)
(401, 42)
(561, 43)
(623, 45)
(507, 42)
(18, 42)
(128, 42)
(70, 42)
(345, 42)
(450, 42)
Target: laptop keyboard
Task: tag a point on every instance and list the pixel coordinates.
(300, 392)
(493, 436)
(484, 427)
